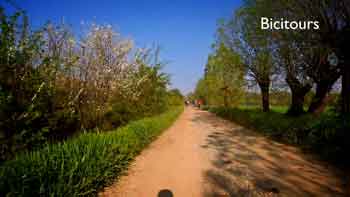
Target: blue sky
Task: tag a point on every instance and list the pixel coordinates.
(183, 29)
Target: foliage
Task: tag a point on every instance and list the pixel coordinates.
(25, 90)
(143, 94)
(82, 165)
(174, 98)
(53, 85)
(242, 34)
(223, 79)
(297, 59)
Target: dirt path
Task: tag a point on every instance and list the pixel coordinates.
(203, 155)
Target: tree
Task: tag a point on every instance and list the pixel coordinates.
(293, 64)
(314, 47)
(330, 39)
(24, 94)
(224, 76)
(243, 35)
(344, 43)
(201, 90)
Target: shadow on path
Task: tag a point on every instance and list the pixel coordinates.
(165, 193)
(247, 164)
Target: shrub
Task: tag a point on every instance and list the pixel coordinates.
(82, 165)
(329, 135)
(53, 85)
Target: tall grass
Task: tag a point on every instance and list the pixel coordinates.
(83, 165)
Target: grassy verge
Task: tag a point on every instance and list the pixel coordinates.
(83, 165)
(326, 135)
(274, 108)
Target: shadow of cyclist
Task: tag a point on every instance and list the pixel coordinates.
(165, 193)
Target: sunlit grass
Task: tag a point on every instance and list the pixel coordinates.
(82, 165)
(275, 108)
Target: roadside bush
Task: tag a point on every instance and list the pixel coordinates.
(329, 135)
(54, 85)
(82, 165)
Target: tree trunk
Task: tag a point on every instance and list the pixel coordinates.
(297, 105)
(324, 82)
(225, 101)
(319, 101)
(298, 91)
(345, 92)
(224, 90)
(264, 88)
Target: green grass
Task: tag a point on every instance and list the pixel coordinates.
(326, 135)
(274, 108)
(82, 165)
